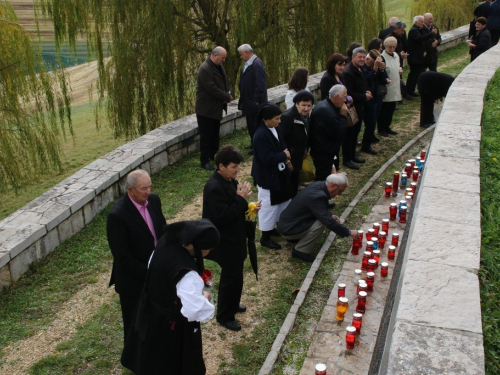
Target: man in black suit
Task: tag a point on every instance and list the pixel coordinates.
(431, 52)
(253, 88)
(384, 33)
(416, 52)
(135, 224)
(225, 205)
(432, 86)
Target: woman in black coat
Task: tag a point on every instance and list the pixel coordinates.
(271, 171)
(295, 127)
(334, 68)
(165, 336)
(481, 42)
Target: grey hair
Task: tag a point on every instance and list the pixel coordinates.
(245, 48)
(390, 41)
(133, 176)
(392, 21)
(336, 90)
(358, 50)
(416, 18)
(400, 25)
(426, 15)
(217, 50)
(338, 179)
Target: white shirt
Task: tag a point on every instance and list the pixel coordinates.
(195, 306)
(290, 94)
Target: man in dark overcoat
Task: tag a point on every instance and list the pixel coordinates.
(432, 86)
(431, 52)
(213, 92)
(134, 226)
(253, 88)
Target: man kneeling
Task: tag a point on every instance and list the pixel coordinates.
(307, 215)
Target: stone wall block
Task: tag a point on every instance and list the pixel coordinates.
(16, 240)
(4, 257)
(21, 263)
(5, 278)
(49, 242)
(158, 162)
(146, 166)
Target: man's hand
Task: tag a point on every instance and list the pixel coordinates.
(244, 190)
(336, 218)
(354, 234)
(404, 54)
(287, 153)
(434, 30)
(290, 166)
(258, 206)
(368, 96)
(343, 110)
(435, 43)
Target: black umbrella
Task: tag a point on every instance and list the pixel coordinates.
(252, 250)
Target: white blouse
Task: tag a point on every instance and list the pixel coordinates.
(195, 306)
(290, 94)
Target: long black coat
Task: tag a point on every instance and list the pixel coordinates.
(295, 134)
(482, 40)
(253, 87)
(416, 45)
(356, 85)
(226, 210)
(132, 243)
(327, 128)
(432, 52)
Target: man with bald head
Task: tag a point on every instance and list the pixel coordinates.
(213, 92)
(431, 52)
(134, 226)
(384, 33)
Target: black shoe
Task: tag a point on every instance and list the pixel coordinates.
(375, 140)
(331, 204)
(303, 256)
(350, 164)
(383, 134)
(408, 97)
(368, 150)
(425, 126)
(357, 159)
(208, 167)
(249, 147)
(241, 308)
(233, 325)
(250, 152)
(270, 244)
(391, 132)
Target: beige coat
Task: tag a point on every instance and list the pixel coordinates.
(392, 70)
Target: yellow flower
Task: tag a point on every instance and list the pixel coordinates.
(251, 215)
(495, 159)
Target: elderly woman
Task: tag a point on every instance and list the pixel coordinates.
(393, 69)
(271, 171)
(165, 335)
(481, 42)
(334, 68)
(297, 83)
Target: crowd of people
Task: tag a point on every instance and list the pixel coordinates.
(157, 268)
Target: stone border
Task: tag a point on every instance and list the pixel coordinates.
(35, 230)
(436, 325)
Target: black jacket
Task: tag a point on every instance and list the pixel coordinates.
(482, 40)
(295, 135)
(307, 207)
(374, 79)
(253, 87)
(432, 52)
(327, 128)
(434, 85)
(356, 85)
(226, 210)
(416, 45)
(326, 83)
(384, 33)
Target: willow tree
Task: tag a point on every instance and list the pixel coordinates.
(156, 47)
(447, 16)
(34, 106)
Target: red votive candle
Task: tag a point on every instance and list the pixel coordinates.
(385, 225)
(360, 236)
(395, 183)
(412, 162)
(388, 189)
(364, 262)
(342, 306)
(361, 307)
(370, 280)
(320, 369)
(408, 169)
(391, 254)
(370, 233)
(382, 237)
(413, 187)
(402, 215)
(393, 211)
(361, 286)
(376, 257)
(350, 337)
(395, 239)
(341, 290)
(371, 265)
(355, 247)
(357, 322)
(384, 269)
(422, 155)
(376, 228)
(369, 246)
(415, 173)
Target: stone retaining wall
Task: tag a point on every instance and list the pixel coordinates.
(35, 230)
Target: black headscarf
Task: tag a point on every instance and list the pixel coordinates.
(267, 112)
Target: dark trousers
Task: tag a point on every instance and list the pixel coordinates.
(230, 289)
(209, 138)
(385, 118)
(251, 125)
(128, 304)
(411, 82)
(370, 120)
(350, 141)
(495, 36)
(323, 164)
(402, 85)
(431, 66)
(426, 110)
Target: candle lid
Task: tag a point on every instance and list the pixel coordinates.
(360, 231)
(343, 299)
(370, 274)
(320, 367)
(404, 175)
(382, 233)
(413, 184)
(393, 204)
(342, 285)
(369, 243)
(372, 261)
(410, 194)
(376, 251)
(392, 247)
(396, 172)
(376, 224)
(357, 315)
(362, 294)
(367, 253)
(351, 329)
(385, 220)
(374, 239)
(388, 184)
(361, 282)
(403, 207)
(395, 234)
(371, 230)
(358, 272)
(402, 202)
(384, 264)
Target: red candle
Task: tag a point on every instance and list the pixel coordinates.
(382, 237)
(395, 182)
(393, 211)
(412, 162)
(364, 262)
(370, 280)
(408, 169)
(422, 155)
(320, 369)
(388, 189)
(371, 265)
(370, 233)
(384, 269)
(395, 239)
(360, 235)
(357, 322)
(376, 257)
(361, 307)
(341, 290)
(376, 228)
(369, 246)
(350, 337)
(392, 252)
(385, 225)
(415, 173)
(413, 187)
(355, 247)
(402, 217)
